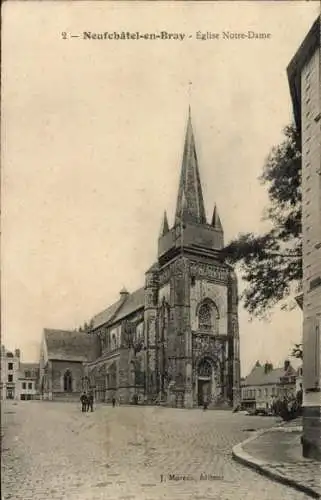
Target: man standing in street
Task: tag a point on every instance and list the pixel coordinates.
(90, 403)
(83, 399)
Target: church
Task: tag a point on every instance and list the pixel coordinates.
(175, 341)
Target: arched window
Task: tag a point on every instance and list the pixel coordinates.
(107, 338)
(113, 375)
(139, 332)
(67, 381)
(205, 368)
(163, 320)
(208, 317)
(205, 317)
(132, 373)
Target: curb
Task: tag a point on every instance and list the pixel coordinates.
(262, 467)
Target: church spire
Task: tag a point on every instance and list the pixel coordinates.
(164, 226)
(216, 221)
(190, 204)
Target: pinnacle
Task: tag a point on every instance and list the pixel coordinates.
(164, 226)
(216, 221)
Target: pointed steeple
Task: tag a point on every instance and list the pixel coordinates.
(164, 226)
(216, 221)
(190, 204)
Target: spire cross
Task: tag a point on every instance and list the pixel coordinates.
(190, 83)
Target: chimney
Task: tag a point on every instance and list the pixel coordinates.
(123, 293)
(286, 365)
(17, 353)
(268, 367)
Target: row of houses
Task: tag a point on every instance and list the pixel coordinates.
(18, 380)
(265, 384)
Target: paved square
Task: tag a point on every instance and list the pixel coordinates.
(53, 451)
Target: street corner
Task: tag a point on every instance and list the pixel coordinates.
(252, 453)
(242, 456)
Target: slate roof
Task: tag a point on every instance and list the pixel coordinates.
(125, 306)
(259, 377)
(31, 367)
(133, 302)
(106, 315)
(64, 345)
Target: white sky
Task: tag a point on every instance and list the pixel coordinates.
(92, 143)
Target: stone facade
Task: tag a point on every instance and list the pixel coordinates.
(10, 365)
(265, 385)
(63, 355)
(304, 77)
(176, 340)
(27, 387)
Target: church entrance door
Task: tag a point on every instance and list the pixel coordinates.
(203, 391)
(204, 382)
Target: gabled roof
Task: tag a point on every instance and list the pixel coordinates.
(259, 377)
(65, 345)
(133, 302)
(126, 305)
(106, 315)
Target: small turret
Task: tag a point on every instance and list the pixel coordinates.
(216, 221)
(164, 227)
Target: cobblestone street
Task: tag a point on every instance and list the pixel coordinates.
(53, 451)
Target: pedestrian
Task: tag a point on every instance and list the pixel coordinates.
(83, 399)
(113, 401)
(205, 403)
(90, 402)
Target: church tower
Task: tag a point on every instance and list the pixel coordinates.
(192, 307)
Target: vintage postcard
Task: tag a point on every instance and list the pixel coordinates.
(161, 250)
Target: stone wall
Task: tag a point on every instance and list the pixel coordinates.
(58, 369)
(311, 223)
(150, 329)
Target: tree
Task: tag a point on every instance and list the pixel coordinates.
(271, 264)
(297, 351)
(87, 327)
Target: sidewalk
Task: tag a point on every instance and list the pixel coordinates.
(277, 454)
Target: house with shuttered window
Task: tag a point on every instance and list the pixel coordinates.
(265, 384)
